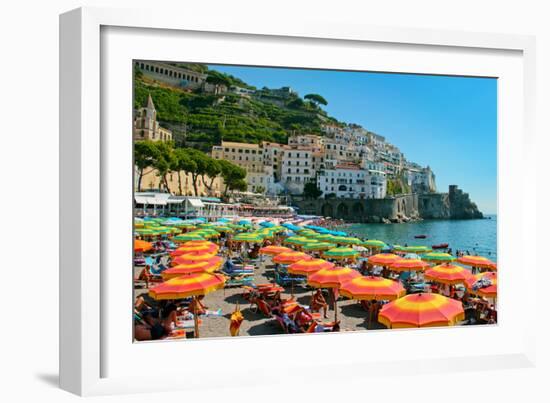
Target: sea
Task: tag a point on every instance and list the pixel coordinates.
(479, 237)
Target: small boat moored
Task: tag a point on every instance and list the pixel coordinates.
(420, 236)
(440, 246)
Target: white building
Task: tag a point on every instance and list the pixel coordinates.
(297, 169)
(345, 181)
(421, 180)
(378, 184)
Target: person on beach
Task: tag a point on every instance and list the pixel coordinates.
(318, 302)
(197, 307)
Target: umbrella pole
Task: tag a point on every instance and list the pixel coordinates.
(335, 306)
(196, 317)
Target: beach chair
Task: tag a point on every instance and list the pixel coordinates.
(262, 306)
(239, 281)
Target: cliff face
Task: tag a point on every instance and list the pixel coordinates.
(461, 207)
(454, 205)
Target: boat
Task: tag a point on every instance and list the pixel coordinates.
(420, 236)
(440, 246)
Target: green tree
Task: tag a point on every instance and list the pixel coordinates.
(311, 191)
(145, 155)
(233, 176)
(213, 169)
(201, 160)
(316, 98)
(164, 163)
(183, 162)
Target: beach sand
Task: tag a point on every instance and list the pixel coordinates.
(351, 315)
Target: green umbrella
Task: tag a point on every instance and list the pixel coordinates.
(341, 253)
(189, 237)
(412, 249)
(437, 257)
(298, 240)
(374, 244)
(318, 246)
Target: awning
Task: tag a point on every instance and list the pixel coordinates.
(150, 200)
(196, 202)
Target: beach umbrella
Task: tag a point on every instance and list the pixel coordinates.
(403, 264)
(306, 267)
(373, 244)
(317, 246)
(235, 321)
(421, 310)
(477, 261)
(191, 285)
(274, 250)
(297, 240)
(209, 248)
(142, 246)
(438, 257)
(291, 257)
(345, 240)
(448, 274)
(196, 257)
(248, 237)
(341, 253)
(371, 287)
(382, 259)
(412, 249)
(188, 237)
(189, 268)
(483, 284)
(332, 278)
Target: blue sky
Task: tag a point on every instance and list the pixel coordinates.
(448, 123)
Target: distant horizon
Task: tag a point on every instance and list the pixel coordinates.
(411, 111)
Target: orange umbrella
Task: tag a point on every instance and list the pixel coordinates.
(477, 261)
(142, 246)
(371, 287)
(209, 247)
(448, 274)
(421, 310)
(332, 278)
(382, 259)
(408, 265)
(274, 250)
(306, 267)
(193, 257)
(487, 291)
(189, 268)
(291, 257)
(190, 285)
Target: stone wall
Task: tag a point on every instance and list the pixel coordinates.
(453, 205)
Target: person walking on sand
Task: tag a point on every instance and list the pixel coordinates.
(318, 302)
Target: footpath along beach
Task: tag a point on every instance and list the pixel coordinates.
(231, 274)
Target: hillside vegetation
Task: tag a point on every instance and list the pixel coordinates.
(201, 120)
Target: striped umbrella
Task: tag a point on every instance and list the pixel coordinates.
(371, 287)
(189, 268)
(142, 246)
(316, 246)
(291, 257)
(191, 285)
(382, 259)
(341, 253)
(373, 244)
(332, 278)
(412, 249)
(274, 250)
(448, 274)
(477, 261)
(438, 257)
(298, 240)
(345, 240)
(306, 267)
(421, 310)
(248, 237)
(189, 236)
(402, 264)
(195, 257)
(474, 283)
(209, 248)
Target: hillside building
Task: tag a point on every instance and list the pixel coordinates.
(146, 126)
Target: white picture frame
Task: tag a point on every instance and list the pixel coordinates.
(95, 352)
